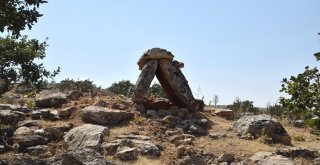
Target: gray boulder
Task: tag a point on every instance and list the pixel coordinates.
(12, 107)
(26, 137)
(294, 152)
(225, 113)
(105, 116)
(50, 98)
(267, 158)
(84, 157)
(257, 125)
(87, 136)
(10, 117)
(127, 153)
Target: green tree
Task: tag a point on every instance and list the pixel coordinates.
(240, 107)
(124, 87)
(17, 62)
(156, 91)
(15, 15)
(80, 85)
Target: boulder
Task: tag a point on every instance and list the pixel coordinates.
(67, 112)
(226, 157)
(26, 137)
(37, 150)
(258, 125)
(266, 158)
(298, 123)
(25, 159)
(74, 95)
(105, 116)
(127, 153)
(19, 108)
(50, 98)
(58, 131)
(101, 103)
(86, 136)
(11, 117)
(225, 113)
(294, 152)
(84, 157)
(157, 103)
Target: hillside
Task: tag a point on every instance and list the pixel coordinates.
(106, 129)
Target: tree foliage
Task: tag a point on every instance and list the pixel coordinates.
(15, 15)
(17, 62)
(240, 107)
(156, 91)
(79, 85)
(123, 87)
(304, 93)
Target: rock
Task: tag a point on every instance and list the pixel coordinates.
(35, 115)
(158, 103)
(26, 137)
(294, 152)
(3, 162)
(197, 130)
(27, 123)
(119, 106)
(23, 109)
(143, 144)
(127, 153)
(37, 150)
(83, 157)
(105, 116)
(226, 157)
(45, 113)
(24, 159)
(11, 117)
(216, 136)
(58, 131)
(316, 161)
(258, 125)
(160, 62)
(225, 113)
(181, 150)
(101, 103)
(169, 120)
(54, 115)
(153, 114)
(6, 133)
(67, 112)
(49, 98)
(74, 95)
(266, 158)
(2, 148)
(298, 123)
(86, 136)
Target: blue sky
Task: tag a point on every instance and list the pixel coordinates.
(229, 48)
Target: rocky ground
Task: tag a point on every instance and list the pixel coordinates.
(72, 129)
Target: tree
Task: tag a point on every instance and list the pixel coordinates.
(124, 87)
(17, 62)
(17, 54)
(304, 95)
(15, 15)
(156, 91)
(215, 100)
(240, 107)
(80, 85)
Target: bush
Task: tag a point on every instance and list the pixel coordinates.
(124, 87)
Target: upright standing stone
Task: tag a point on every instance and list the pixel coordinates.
(160, 62)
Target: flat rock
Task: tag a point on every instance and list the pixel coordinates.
(84, 157)
(86, 136)
(225, 113)
(26, 137)
(105, 116)
(50, 98)
(258, 125)
(226, 157)
(267, 158)
(294, 152)
(11, 117)
(12, 107)
(127, 153)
